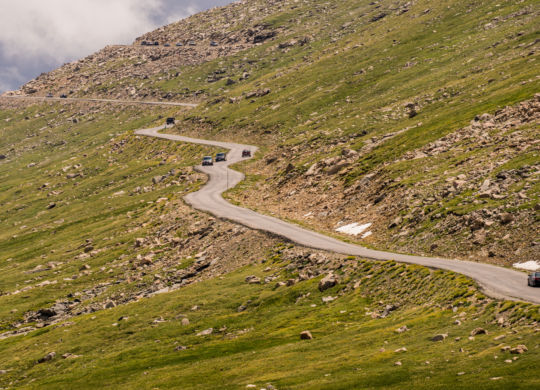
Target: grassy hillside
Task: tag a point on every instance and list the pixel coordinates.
(359, 91)
(418, 117)
(255, 335)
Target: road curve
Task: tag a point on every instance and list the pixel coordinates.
(496, 281)
(141, 102)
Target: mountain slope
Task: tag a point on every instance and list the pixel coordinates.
(419, 117)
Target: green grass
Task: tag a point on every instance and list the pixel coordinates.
(262, 345)
(101, 206)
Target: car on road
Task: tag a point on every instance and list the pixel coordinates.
(534, 279)
(192, 43)
(246, 153)
(169, 121)
(207, 160)
(179, 44)
(63, 96)
(49, 95)
(221, 157)
(214, 44)
(167, 45)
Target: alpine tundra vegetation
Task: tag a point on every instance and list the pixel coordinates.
(406, 126)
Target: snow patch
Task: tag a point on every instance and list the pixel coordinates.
(528, 265)
(354, 229)
(367, 234)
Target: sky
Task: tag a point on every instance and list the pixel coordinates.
(40, 35)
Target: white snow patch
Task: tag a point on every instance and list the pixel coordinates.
(367, 234)
(309, 214)
(528, 265)
(354, 229)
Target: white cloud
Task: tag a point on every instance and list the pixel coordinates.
(39, 35)
(64, 29)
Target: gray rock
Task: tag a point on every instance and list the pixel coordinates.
(206, 332)
(50, 356)
(252, 279)
(519, 349)
(327, 282)
(478, 331)
(439, 337)
(306, 335)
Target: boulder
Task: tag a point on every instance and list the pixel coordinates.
(306, 335)
(478, 331)
(252, 279)
(185, 321)
(506, 218)
(50, 356)
(403, 329)
(519, 349)
(327, 282)
(439, 337)
(206, 332)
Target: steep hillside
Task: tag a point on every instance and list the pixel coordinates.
(385, 113)
(414, 123)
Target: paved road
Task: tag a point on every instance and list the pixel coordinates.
(145, 103)
(496, 281)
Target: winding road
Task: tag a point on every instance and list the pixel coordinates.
(95, 100)
(496, 281)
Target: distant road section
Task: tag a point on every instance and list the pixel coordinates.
(496, 281)
(130, 102)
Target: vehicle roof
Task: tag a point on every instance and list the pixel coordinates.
(207, 157)
(221, 153)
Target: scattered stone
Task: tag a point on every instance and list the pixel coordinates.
(402, 329)
(500, 337)
(180, 348)
(478, 331)
(402, 349)
(50, 356)
(109, 304)
(505, 348)
(439, 337)
(519, 349)
(185, 321)
(252, 279)
(506, 218)
(51, 205)
(70, 356)
(306, 335)
(206, 332)
(397, 364)
(327, 282)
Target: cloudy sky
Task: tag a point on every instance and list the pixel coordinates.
(39, 35)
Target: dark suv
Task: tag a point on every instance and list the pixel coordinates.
(221, 157)
(169, 121)
(534, 279)
(246, 153)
